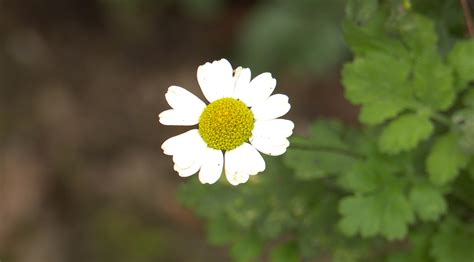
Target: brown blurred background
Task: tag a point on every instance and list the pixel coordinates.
(82, 175)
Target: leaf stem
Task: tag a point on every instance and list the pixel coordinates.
(335, 150)
(467, 17)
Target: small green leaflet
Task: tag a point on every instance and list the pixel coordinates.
(461, 58)
(445, 159)
(372, 85)
(386, 213)
(405, 133)
(428, 202)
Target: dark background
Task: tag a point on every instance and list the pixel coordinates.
(82, 174)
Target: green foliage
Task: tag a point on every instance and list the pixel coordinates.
(404, 133)
(333, 157)
(347, 193)
(418, 250)
(377, 206)
(296, 35)
(287, 252)
(373, 85)
(461, 60)
(428, 202)
(413, 76)
(445, 159)
(387, 213)
(453, 242)
(246, 249)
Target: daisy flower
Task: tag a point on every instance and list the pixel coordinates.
(240, 120)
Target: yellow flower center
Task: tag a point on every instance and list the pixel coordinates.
(226, 124)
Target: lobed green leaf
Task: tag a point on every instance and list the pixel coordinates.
(405, 133)
(445, 159)
(461, 59)
(428, 202)
(386, 213)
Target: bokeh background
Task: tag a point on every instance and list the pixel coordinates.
(82, 174)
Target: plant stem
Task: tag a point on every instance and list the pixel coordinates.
(328, 149)
(467, 17)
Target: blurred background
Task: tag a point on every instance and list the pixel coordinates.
(82, 174)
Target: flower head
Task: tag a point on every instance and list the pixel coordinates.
(240, 120)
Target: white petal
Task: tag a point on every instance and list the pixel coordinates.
(242, 162)
(244, 159)
(216, 79)
(242, 81)
(270, 146)
(260, 88)
(237, 178)
(233, 164)
(188, 171)
(211, 170)
(187, 151)
(183, 100)
(274, 107)
(172, 117)
(275, 128)
(179, 142)
(191, 154)
(193, 168)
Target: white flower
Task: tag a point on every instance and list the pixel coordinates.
(242, 117)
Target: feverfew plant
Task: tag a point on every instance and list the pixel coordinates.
(400, 187)
(242, 117)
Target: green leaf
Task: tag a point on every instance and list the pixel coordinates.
(392, 74)
(445, 159)
(418, 33)
(246, 249)
(405, 133)
(378, 112)
(461, 59)
(371, 38)
(387, 213)
(366, 81)
(368, 176)
(287, 252)
(433, 81)
(372, 85)
(322, 154)
(428, 202)
(454, 242)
